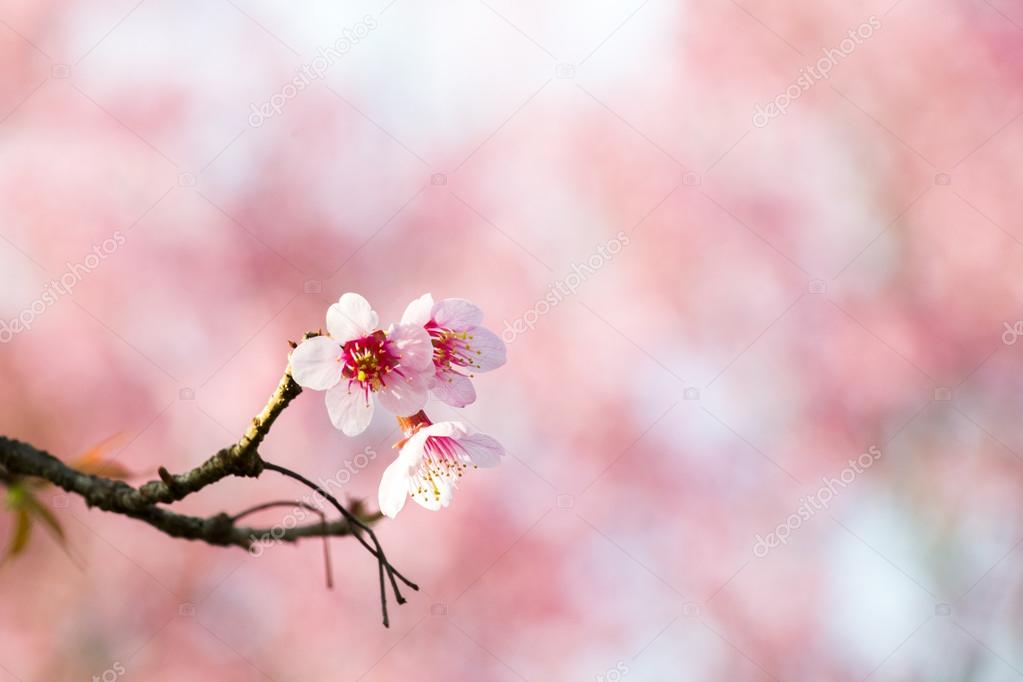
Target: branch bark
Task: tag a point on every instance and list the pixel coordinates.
(239, 459)
(20, 460)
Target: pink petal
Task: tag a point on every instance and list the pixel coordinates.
(483, 450)
(348, 409)
(453, 388)
(316, 363)
(418, 311)
(413, 345)
(486, 349)
(457, 314)
(351, 318)
(403, 395)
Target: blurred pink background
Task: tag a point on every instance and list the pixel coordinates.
(787, 290)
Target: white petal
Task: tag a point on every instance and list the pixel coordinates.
(316, 363)
(457, 314)
(418, 311)
(351, 318)
(447, 492)
(403, 395)
(393, 488)
(429, 499)
(413, 345)
(411, 456)
(349, 410)
(486, 349)
(412, 451)
(444, 430)
(453, 388)
(483, 450)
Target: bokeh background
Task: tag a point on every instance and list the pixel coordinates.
(792, 293)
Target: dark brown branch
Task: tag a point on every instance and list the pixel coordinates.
(239, 459)
(22, 459)
(19, 460)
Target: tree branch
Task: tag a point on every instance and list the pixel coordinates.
(22, 459)
(19, 459)
(240, 459)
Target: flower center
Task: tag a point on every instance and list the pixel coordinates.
(453, 348)
(369, 360)
(443, 463)
(445, 458)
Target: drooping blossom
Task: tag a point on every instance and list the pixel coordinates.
(460, 345)
(431, 460)
(357, 360)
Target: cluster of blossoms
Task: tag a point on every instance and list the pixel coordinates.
(434, 350)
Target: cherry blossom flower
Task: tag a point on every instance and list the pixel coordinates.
(460, 345)
(430, 461)
(358, 359)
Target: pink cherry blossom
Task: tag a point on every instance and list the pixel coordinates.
(431, 460)
(460, 345)
(357, 359)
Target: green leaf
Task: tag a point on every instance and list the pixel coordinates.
(27, 510)
(22, 533)
(43, 512)
(16, 494)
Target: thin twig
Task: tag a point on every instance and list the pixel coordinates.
(377, 550)
(303, 505)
